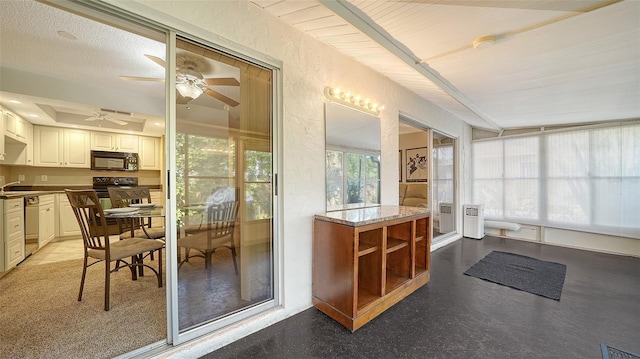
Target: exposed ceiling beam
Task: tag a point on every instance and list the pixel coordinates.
(365, 24)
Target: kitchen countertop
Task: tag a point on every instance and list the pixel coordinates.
(364, 216)
(18, 194)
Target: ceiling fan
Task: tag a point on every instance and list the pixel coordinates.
(189, 80)
(102, 115)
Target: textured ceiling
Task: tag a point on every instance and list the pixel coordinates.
(553, 62)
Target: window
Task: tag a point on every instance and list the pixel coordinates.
(585, 179)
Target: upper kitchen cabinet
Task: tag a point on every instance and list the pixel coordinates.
(150, 155)
(47, 146)
(58, 147)
(16, 147)
(16, 127)
(106, 141)
(75, 148)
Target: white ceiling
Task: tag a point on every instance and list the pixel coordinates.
(550, 64)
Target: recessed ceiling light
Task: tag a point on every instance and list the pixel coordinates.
(15, 101)
(158, 124)
(67, 35)
(33, 115)
(74, 126)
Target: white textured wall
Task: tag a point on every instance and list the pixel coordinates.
(307, 67)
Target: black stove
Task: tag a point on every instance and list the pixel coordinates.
(100, 184)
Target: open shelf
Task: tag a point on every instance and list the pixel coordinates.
(394, 280)
(361, 270)
(394, 244)
(366, 248)
(423, 246)
(365, 297)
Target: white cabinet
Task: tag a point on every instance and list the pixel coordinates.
(67, 223)
(106, 141)
(15, 127)
(29, 144)
(150, 156)
(16, 144)
(12, 245)
(46, 220)
(76, 148)
(58, 147)
(48, 146)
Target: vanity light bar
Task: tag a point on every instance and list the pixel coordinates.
(353, 101)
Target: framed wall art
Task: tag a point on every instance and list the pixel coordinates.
(416, 164)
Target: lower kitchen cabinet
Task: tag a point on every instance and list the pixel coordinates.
(46, 220)
(12, 218)
(67, 223)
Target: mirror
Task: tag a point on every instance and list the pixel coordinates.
(352, 158)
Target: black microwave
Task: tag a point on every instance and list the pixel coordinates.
(114, 161)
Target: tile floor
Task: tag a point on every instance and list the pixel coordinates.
(457, 316)
(55, 251)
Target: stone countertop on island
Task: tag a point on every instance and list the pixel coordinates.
(364, 216)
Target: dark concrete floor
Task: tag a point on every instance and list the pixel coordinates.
(457, 316)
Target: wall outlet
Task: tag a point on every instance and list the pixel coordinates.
(43, 178)
(21, 178)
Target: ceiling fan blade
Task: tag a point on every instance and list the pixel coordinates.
(156, 59)
(117, 122)
(135, 78)
(222, 81)
(221, 97)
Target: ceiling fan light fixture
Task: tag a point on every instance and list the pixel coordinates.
(484, 42)
(189, 90)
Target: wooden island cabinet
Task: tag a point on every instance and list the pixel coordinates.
(366, 260)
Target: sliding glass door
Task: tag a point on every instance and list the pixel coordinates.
(224, 199)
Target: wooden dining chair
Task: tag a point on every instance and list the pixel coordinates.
(123, 197)
(97, 246)
(217, 232)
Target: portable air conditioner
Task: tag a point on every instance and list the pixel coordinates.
(446, 217)
(474, 221)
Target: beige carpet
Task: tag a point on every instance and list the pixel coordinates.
(45, 320)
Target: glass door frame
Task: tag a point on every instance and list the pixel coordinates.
(407, 120)
(454, 184)
(173, 332)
